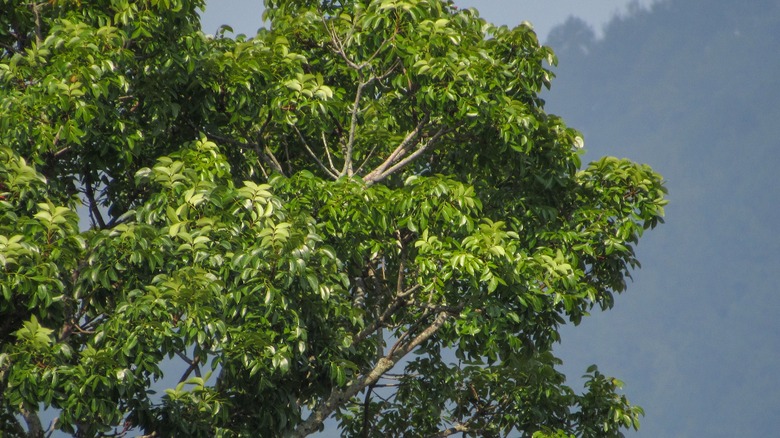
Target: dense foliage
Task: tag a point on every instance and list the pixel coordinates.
(363, 212)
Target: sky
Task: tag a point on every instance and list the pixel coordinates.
(244, 15)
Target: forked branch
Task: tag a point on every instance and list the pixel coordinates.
(403, 154)
(385, 364)
(319, 162)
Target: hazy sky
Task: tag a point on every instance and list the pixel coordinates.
(244, 15)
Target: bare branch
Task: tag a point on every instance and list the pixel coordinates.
(9, 48)
(341, 395)
(401, 342)
(379, 322)
(313, 155)
(413, 156)
(38, 28)
(327, 152)
(368, 157)
(399, 150)
(451, 431)
(338, 45)
(347, 170)
(269, 156)
(265, 153)
(399, 287)
(366, 404)
(52, 426)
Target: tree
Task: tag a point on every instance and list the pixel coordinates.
(361, 213)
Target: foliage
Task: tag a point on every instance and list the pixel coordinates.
(363, 212)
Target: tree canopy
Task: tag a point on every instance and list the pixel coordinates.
(362, 213)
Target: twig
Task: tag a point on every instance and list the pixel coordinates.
(327, 152)
(265, 154)
(366, 404)
(368, 157)
(313, 155)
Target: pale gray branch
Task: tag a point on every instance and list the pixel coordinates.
(398, 151)
(339, 396)
(451, 431)
(313, 155)
(398, 159)
(339, 47)
(327, 152)
(347, 170)
(413, 156)
(396, 304)
(349, 147)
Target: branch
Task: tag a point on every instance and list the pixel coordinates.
(327, 152)
(34, 427)
(193, 366)
(401, 342)
(341, 395)
(451, 431)
(339, 47)
(368, 157)
(265, 154)
(347, 170)
(366, 404)
(52, 427)
(94, 211)
(370, 179)
(376, 174)
(399, 287)
(38, 32)
(269, 156)
(396, 304)
(404, 146)
(8, 48)
(313, 155)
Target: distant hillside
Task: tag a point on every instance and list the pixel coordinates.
(691, 87)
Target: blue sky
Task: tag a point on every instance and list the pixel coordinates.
(243, 15)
